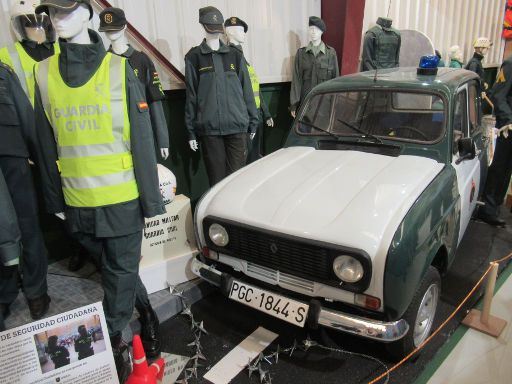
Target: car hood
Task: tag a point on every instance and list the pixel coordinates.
(349, 198)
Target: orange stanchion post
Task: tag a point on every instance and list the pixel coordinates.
(142, 374)
(483, 321)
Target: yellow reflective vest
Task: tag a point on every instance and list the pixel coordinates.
(92, 131)
(20, 61)
(255, 84)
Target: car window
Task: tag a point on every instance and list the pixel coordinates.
(388, 114)
(474, 103)
(460, 123)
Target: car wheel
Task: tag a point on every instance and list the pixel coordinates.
(419, 315)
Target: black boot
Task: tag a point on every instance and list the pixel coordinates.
(77, 259)
(121, 352)
(149, 332)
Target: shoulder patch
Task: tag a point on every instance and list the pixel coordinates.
(143, 106)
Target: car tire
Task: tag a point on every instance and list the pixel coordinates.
(419, 315)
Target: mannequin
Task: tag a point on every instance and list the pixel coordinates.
(455, 55)
(19, 143)
(113, 23)
(236, 30)
(224, 119)
(105, 214)
(481, 47)
(314, 64)
(381, 46)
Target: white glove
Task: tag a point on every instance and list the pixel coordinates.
(252, 135)
(193, 145)
(61, 215)
(504, 130)
(270, 122)
(164, 152)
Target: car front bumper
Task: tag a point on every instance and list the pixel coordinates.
(355, 325)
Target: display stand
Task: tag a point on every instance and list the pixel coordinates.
(168, 246)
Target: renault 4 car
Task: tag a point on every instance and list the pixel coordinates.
(351, 225)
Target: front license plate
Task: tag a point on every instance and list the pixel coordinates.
(278, 306)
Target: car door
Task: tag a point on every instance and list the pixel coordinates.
(466, 124)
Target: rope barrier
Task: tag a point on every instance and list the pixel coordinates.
(393, 368)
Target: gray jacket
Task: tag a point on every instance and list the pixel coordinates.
(220, 100)
(310, 70)
(77, 63)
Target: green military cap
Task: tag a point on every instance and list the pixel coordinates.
(69, 5)
(236, 22)
(211, 19)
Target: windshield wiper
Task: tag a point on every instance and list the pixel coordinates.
(319, 129)
(365, 134)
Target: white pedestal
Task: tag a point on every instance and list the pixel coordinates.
(168, 246)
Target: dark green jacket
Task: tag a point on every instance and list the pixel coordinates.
(475, 65)
(381, 48)
(10, 237)
(455, 63)
(220, 100)
(77, 63)
(501, 94)
(310, 70)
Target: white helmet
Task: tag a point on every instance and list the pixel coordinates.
(167, 182)
(29, 26)
(482, 42)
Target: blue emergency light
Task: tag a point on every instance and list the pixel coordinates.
(428, 65)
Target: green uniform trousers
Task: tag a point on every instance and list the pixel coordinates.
(119, 259)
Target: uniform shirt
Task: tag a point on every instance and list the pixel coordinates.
(220, 100)
(310, 70)
(77, 63)
(501, 94)
(370, 46)
(148, 76)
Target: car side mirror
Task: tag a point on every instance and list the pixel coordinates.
(467, 149)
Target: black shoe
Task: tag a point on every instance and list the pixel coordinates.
(491, 219)
(77, 260)
(39, 306)
(4, 312)
(149, 332)
(121, 352)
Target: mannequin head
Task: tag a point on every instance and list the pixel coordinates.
(114, 36)
(315, 35)
(455, 53)
(236, 35)
(316, 29)
(70, 24)
(29, 26)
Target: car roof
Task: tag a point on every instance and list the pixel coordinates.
(447, 80)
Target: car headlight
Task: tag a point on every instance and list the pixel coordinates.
(218, 235)
(348, 269)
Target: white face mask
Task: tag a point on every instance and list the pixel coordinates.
(315, 34)
(69, 24)
(236, 34)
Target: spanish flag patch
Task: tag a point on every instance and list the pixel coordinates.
(143, 106)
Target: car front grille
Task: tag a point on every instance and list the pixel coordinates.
(289, 255)
(277, 277)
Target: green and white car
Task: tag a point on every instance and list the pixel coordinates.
(351, 225)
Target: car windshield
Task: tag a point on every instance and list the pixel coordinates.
(385, 114)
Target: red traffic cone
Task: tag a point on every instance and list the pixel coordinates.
(141, 373)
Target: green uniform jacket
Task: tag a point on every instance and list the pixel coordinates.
(501, 94)
(220, 100)
(455, 63)
(310, 70)
(381, 48)
(475, 65)
(77, 63)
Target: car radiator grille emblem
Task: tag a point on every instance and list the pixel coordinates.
(273, 248)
